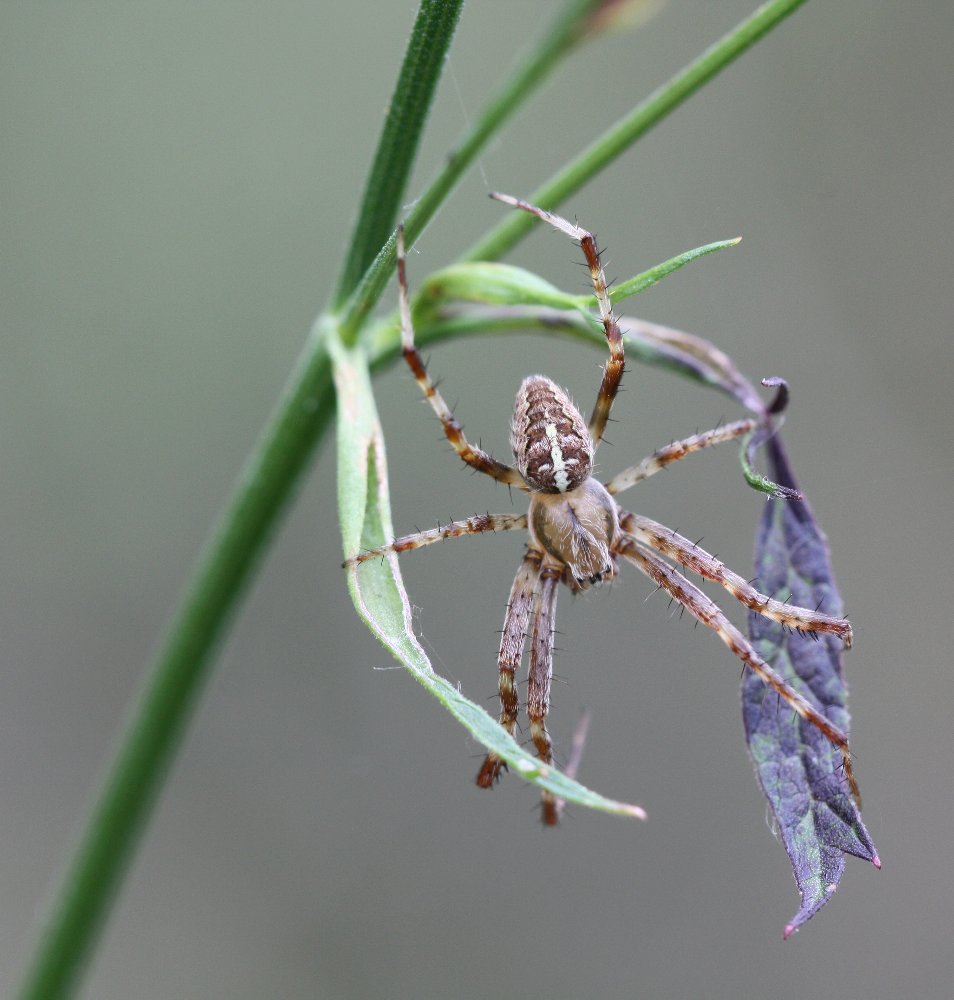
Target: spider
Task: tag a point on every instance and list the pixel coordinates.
(578, 533)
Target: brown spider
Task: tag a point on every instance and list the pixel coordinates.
(578, 532)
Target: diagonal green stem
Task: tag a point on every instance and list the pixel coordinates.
(624, 133)
(563, 35)
(260, 497)
(177, 678)
(400, 137)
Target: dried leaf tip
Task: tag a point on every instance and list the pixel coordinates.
(780, 402)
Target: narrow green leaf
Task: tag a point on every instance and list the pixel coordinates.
(400, 137)
(492, 284)
(378, 591)
(655, 274)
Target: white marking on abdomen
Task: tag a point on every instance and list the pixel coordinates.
(559, 465)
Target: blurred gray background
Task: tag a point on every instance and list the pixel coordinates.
(178, 182)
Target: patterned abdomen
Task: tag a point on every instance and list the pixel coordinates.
(550, 442)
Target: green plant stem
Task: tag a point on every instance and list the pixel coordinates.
(400, 137)
(180, 670)
(560, 39)
(621, 136)
(262, 493)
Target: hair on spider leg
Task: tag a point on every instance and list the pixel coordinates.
(504, 766)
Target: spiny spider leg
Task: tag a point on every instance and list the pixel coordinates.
(512, 641)
(675, 451)
(541, 676)
(656, 536)
(613, 372)
(454, 529)
(707, 612)
(475, 457)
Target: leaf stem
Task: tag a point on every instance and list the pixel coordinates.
(639, 121)
(400, 137)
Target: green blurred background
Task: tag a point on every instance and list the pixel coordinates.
(177, 185)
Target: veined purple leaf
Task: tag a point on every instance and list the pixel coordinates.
(797, 767)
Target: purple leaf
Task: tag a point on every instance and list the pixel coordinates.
(797, 767)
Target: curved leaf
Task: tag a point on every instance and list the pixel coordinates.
(378, 591)
(493, 284)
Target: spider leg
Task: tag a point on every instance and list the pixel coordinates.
(656, 536)
(541, 677)
(475, 457)
(613, 372)
(455, 529)
(707, 612)
(575, 756)
(673, 452)
(511, 652)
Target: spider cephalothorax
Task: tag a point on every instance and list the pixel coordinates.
(578, 532)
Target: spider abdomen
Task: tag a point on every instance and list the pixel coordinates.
(550, 440)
